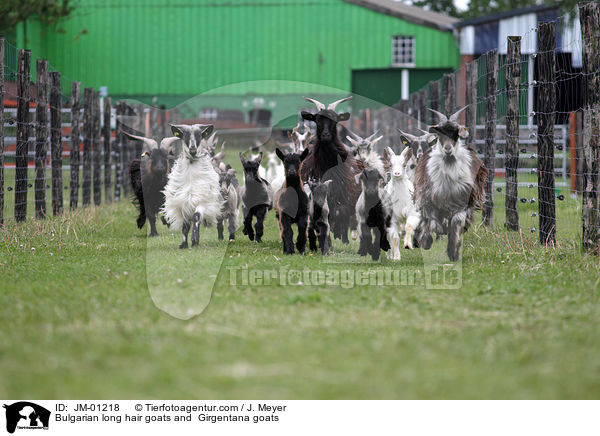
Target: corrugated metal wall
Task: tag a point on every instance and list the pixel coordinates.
(179, 47)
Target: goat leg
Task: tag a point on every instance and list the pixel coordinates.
(248, 226)
(364, 246)
(196, 229)
(220, 229)
(185, 229)
(152, 220)
(287, 234)
(301, 240)
(376, 245)
(312, 238)
(231, 226)
(324, 239)
(456, 226)
(260, 219)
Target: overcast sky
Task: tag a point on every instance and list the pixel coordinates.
(461, 4)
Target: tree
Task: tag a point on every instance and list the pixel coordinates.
(443, 6)
(12, 12)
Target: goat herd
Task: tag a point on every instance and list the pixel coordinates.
(321, 182)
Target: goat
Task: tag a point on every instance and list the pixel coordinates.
(329, 159)
(418, 144)
(363, 150)
(291, 202)
(372, 213)
(231, 200)
(148, 176)
(192, 193)
(256, 195)
(318, 216)
(299, 140)
(449, 185)
(399, 194)
(275, 174)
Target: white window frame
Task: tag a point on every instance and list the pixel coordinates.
(414, 52)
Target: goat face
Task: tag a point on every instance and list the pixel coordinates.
(448, 132)
(362, 147)
(291, 162)
(191, 136)
(318, 191)
(159, 161)
(251, 166)
(371, 180)
(419, 144)
(403, 165)
(326, 119)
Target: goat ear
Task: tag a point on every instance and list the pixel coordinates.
(280, 154)
(328, 182)
(388, 153)
(259, 158)
(307, 116)
(304, 154)
(405, 139)
(431, 140)
(344, 116)
(409, 154)
(463, 133)
(176, 131)
(243, 159)
(206, 132)
(290, 136)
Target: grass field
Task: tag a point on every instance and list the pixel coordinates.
(79, 317)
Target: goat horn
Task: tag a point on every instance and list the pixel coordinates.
(408, 135)
(443, 118)
(376, 139)
(424, 131)
(149, 142)
(166, 142)
(352, 140)
(369, 138)
(333, 105)
(320, 106)
(454, 117)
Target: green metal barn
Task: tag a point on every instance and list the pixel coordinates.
(245, 54)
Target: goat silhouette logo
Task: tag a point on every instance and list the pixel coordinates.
(26, 415)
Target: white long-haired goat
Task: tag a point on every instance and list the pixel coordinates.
(192, 193)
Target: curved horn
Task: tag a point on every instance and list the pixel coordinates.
(370, 137)
(149, 143)
(408, 135)
(333, 105)
(424, 131)
(454, 117)
(376, 140)
(443, 118)
(352, 140)
(320, 106)
(166, 142)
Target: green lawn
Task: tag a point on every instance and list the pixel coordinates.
(79, 316)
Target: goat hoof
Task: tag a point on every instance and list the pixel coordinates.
(231, 239)
(152, 235)
(183, 245)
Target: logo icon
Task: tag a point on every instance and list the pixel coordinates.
(26, 415)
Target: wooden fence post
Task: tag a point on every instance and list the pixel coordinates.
(107, 152)
(491, 62)
(513, 83)
(546, 106)
(434, 100)
(118, 152)
(96, 150)
(449, 93)
(2, 41)
(589, 16)
(75, 142)
(471, 101)
(56, 142)
(414, 110)
(403, 107)
(86, 185)
(423, 109)
(22, 136)
(41, 137)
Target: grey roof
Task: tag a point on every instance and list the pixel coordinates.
(409, 13)
(502, 15)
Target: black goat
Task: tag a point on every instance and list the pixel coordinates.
(148, 176)
(372, 213)
(257, 197)
(329, 159)
(291, 202)
(318, 219)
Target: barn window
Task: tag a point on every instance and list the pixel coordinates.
(403, 51)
